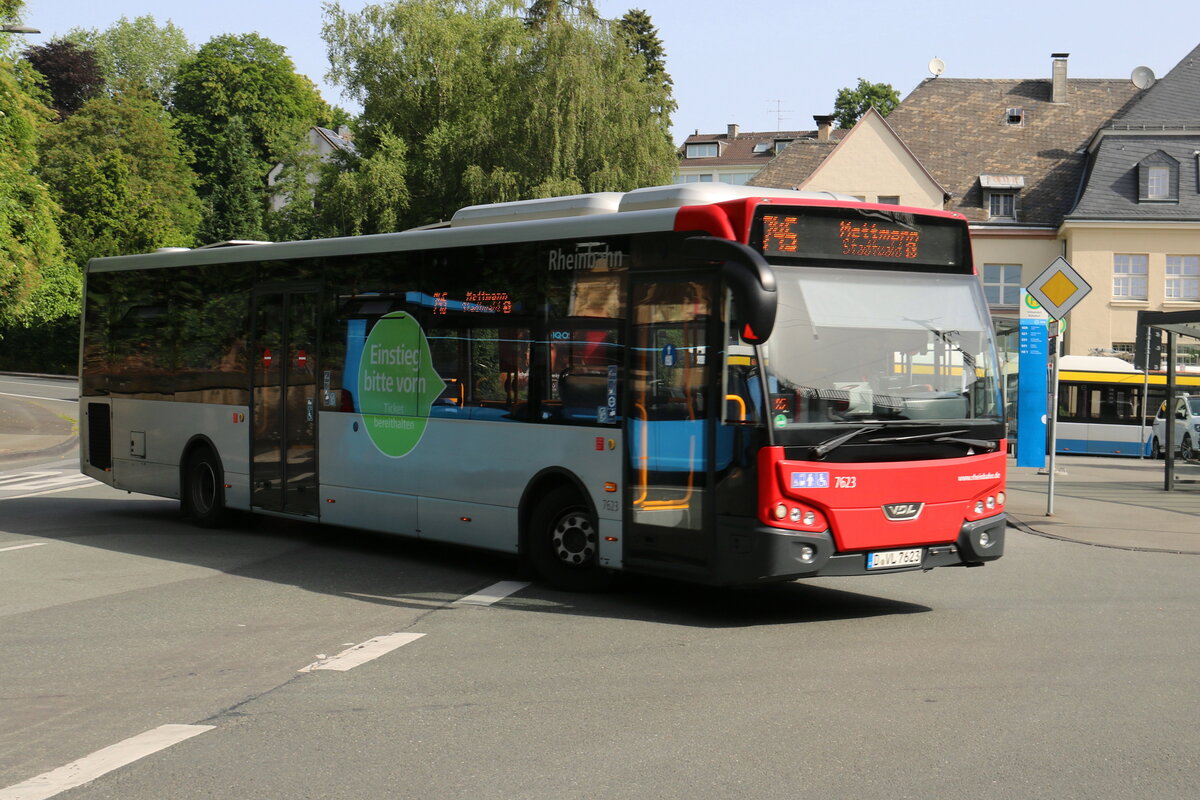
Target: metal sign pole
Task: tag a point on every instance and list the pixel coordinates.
(1053, 416)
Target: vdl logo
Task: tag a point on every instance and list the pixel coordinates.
(902, 511)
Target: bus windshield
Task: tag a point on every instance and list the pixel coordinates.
(857, 345)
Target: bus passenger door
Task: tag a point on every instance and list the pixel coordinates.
(669, 435)
(283, 466)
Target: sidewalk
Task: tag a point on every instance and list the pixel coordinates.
(1112, 502)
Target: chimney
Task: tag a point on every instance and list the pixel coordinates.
(733, 131)
(1058, 84)
(824, 125)
(344, 132)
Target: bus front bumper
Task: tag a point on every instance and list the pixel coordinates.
(750, 552)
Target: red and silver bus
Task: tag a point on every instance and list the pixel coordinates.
(726, 385)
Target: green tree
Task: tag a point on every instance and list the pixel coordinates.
(642, 38)
(851, 104)
(490, 107)
(70, 72)
(119, 170)
(234, 206)
(250, 77)
(37, 282)
(139, 53)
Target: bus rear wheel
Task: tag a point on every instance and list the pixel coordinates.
(204, 489)
(564, 543)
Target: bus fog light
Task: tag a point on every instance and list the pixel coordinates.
(978, 506)
(985, 539)
(794, 516)
(991, 502)
(780, 511)
(807, 554)
(809, 518)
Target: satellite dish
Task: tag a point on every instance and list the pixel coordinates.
(936, 66)
(1142, 77)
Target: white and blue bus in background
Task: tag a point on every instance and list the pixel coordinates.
(1101, 408)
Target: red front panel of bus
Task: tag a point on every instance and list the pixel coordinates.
(880, 505)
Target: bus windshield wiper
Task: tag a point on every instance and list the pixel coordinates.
(939, 437)
(829, 445)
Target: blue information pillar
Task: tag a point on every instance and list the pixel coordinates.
(1032, 384)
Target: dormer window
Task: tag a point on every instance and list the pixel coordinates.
(762, 147)
(1014, 116)
(703, 150)
(781, 145)
(1158, 179)
(1000, 194)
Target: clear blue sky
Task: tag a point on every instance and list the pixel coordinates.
(764, 64)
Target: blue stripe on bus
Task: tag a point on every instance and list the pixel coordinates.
(1112, 448)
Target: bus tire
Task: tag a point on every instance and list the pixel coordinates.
(204, 489)
(1185, 448)
(564, 543)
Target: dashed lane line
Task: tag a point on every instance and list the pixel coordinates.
(102, 762)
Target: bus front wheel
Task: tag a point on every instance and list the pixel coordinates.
(204, 489)
(564, 543)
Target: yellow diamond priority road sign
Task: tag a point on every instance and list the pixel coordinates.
(1059, 288)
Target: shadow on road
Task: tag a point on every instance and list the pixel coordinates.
(408, 573)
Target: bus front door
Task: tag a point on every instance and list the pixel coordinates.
(668, 441)
(283, 465)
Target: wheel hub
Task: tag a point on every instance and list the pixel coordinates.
(574, 539)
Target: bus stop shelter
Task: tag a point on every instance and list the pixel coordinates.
(1176, 324)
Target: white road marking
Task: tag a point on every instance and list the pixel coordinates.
(36, 481)
(22, 546)
(39, 397)
(492, 594)
(101, 762)
(360, 653)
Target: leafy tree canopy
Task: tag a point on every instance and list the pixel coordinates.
(851, 104)
(37, 283)
(71, 74)
(120, 171)
(233, 209)
(491, 107)
(138, 52)
(245, 76)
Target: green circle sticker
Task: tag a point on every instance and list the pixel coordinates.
(397, 384)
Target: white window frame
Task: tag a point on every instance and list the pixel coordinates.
(1005, 202)
(1183, 279)
(1131, 276)
(1158, 183)
(1009, 284)
(703, 150)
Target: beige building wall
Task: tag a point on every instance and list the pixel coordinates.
(1033, 249)
(1100, 321)
(872, 162)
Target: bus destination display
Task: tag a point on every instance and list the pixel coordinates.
(870, 236)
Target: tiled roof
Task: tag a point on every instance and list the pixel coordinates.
(1173, 98)
(796, 163)
(739, 150)
(1166, 118)
(959, 129)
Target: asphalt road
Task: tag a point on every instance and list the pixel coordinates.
(283, 661)
(1064, 671)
